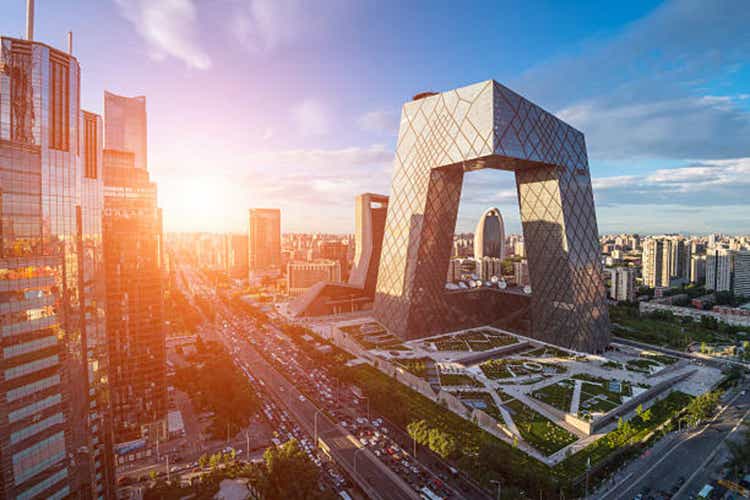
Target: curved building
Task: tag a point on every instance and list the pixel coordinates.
(489, 237)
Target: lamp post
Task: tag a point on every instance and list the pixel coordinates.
(499, 487)
(315, 426)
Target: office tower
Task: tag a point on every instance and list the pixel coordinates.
(303, 275)
(264, 240)
(369, 224)
(125, 119)
(491, 127)
(521, 273)
(489, 237)
(652, 260)
(742, 273)
(719, 267)
(698, 269)
(237, 255)
(54, 428)
(132, 257)
(622, 287)
(337, 250)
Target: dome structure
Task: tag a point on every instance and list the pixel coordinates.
(489, 237)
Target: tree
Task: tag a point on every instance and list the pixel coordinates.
(203, 460)
(442, 443)
(701, 407)
(419, 431)
(152, 475)
(288, 473)
(646, 416)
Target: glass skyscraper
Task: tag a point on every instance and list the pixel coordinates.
(489, 237)
(264, 240)
(133, 254)
(55, 435)
(486, 125)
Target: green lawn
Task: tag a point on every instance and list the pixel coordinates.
(489, 404)
(451, 345)
(558, 395)
(539, 431)
(642, 365)
(450, 379)
(417, 366)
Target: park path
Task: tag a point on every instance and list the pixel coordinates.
(576, 401)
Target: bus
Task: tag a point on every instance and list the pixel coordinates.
(427, 494)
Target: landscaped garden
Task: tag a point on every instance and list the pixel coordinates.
(416, 366)
(518, 367)
(453, 379)
(558, 395)
(481, 401)
(537, 430)
(474, 340)
(599, 395)
(641, 365)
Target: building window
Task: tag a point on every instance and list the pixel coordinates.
(59, 103)
(90, 146)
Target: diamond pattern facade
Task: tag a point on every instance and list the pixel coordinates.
(486, 125)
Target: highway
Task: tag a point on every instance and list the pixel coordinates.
(374, 477)
(676, 465)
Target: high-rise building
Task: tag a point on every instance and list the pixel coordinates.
(666, 261)
(370, 213)
(521, 273)
(125, 119)
(698, 269)
(719, 269)
(236, 259)
(622, 287)
(742, 273)
(264, 240)
(132, 256)
(337, 250)
(303, 275)
(489, 237)
(55, 437)
(492, 127)
(489, 267)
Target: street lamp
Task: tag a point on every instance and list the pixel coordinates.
(315, 426)
(355, 458)
(499, 487)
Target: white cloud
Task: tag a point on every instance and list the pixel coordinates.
(311, 118)
(169, 27)
(266, 25)
(706, 183)
(380, 121)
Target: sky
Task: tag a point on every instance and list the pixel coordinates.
(295, 104)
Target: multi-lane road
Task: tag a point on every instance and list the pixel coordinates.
(679, 464)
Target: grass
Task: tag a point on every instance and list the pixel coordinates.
(642, 365)
(549, 352)
(612, 364)
(596, 397)
(417, 366)
(558, 395)
(661, 358)
(451, 379)
(451, 345)
(539, 431)
(486, 401)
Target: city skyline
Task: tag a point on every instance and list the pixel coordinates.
(665, 135)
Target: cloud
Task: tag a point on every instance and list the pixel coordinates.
(648, 91)
(266, 25)
(705, 183)
(691, 127)
(384, 122)
(169, 27)
(311, 118)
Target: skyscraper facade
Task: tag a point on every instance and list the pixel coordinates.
(126, 126)
(54, 428)
(303, 275)
(132, 254)
(741, 286)
(622, 286)
(666, 261)
(487, 125)
(264, 240)
(489, 237)
(719, 269)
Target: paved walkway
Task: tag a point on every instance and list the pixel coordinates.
(576, 401)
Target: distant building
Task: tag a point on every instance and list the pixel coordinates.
(370, 214)
(337, 250)
(303, 275)
(666, 262)
(237, 254)
(742, 273)
(125, 119)
(519, 250)
(622, 287)
(487, 267)
(264, 240)
(489, 237)
(521, 273)
(719, 267)
(698, 269)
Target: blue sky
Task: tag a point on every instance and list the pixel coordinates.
(296, 104)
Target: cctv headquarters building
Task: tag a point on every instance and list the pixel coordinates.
(442, 138)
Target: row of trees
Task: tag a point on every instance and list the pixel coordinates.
(435, 439)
